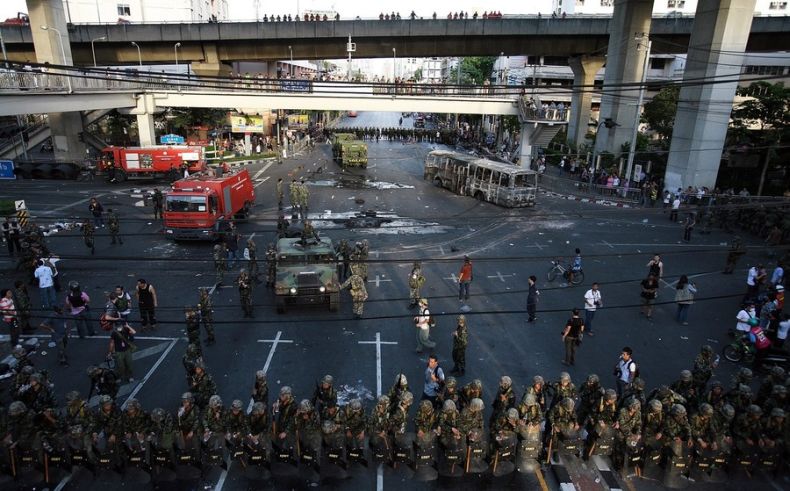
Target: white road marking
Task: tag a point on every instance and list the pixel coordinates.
(452, 277)
(144, 353)
(63, 482)
(70, 205)
(378, 280)
(502, 276)
(607, 244)
(668, 285)
(277, 340)
(263, 169)
(150, 372)
(261, 181)
(540, 247)
(441, 249)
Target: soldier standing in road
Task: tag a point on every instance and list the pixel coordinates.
(460, 340)
(704, 364)
(87, 234)
(220, 261)
(532, 298)
(22, 305)
(191, 357)
(271, 265)
(343, 252)
(193, 326)
(158, 200)
(358, 293)
(284, 412)
(260, 390)
(304, 197)
(245, 293)
(252, 257)
(282, 226)
(280, 193)
(115, 226)
(202, 385)
(735, 253)
(359, 264)
(293, 194)
(416, 281)
(206, 315)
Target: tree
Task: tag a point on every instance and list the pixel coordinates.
(764, 118)
(659, 113)
(418, 74)
(474, 70)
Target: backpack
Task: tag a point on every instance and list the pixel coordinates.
(105, 323)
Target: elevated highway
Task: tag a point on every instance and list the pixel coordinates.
(227, 42)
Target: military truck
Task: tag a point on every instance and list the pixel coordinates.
(306, 274)
(337, 138)
(353, 153)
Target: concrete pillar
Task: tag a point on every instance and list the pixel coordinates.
(65, 127)
(584, 69)
(211, 65)
(624, 65)
(525, 145)
(718, 39)
(145, 120)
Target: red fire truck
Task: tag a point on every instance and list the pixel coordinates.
(199, 207)
(161, 161)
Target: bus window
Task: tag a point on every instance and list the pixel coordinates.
(520, 180)
(495, 178)
(486, 176)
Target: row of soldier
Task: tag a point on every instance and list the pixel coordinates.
(708, 424)
(445, 136)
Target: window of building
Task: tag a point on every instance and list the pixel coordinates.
(580, 3)
(123, 9)
(657, 63)
(778, 6)
(676, 4)
(607, 3)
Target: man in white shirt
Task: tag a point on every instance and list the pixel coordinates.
(423, 324)
(46, 285)
(778, 275)
(673, 214)
(625, 370)
(592, 300)
(781, 332)
(752, 287)
(746, 313)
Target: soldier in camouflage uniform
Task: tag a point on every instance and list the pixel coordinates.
(358, 293)
(324, 393)
(304, 197)
(22, 305)
(378, 426)
(252, 260)
(399, 420)
(460, 341)
(449, 430)
(202, 386)
(50, 434)
(192, 320)
(602, 420)
(37, 395)
(537, 388)
(107, 429)
(686, 388)
(213, 425)
(775, 377)
(703, 427)
(358, 264)
(590, 395)
(188, 427)
(236, 424)
(88, 230)
(245, 293)
(416, 281)
(722, 422)
(343, 253)
(161, 436)
(563, 388)
(260, 389)
(259, 437)
(20, 430)
(628, 430)
(667, 396)
(529, 411)
(743, 376)
(775, 431)
(425, 421)
(504, 399)
(747, 430)
(220, 261)
(114, 225)
(562, 419)
(778, 399)
(740, 398)
(676, 431)
(704, 364)
(449, 392)
(715, 395)
(293, 195)
(471, 418)
(284, 413)
(206, 315)
(355, 426)
(271, 265)
(136, 426)
(191, 357)
(309, 234)
(77, 413)
(472, 390)
(400, 386)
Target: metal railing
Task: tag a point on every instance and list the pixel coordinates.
(532, 110)
(581, 188)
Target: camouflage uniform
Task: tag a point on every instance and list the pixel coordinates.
(740, 398)
(271, 265)
(416, 281)
(653, 424)
(193, 327)
(343, 253)
(136, 426)
(252, 265)
(259, 423)
(114, 225)
(563, 388)
(158, 200)
(107, 428)
(667, 396)
(604, 415)
(775, 430)
(161, 433)
(399, 418)
(676, 430)
(378, 425)
(563, 418)
(400, 386)
(284, 413)
(703, 428)
(22, 306)
(355, 424)
(190, 359)
(309, 235)
(460, 341)
(775, 377)
(325, 394)
(245, 293)
(471, 417)
(450, 433)
(449, 392)
(203, 386)
(778, 399)
(206, 315)
(425, 419)
(220, 261)
(589, 396)
(537, 390)
(747, 430)
(20, 428)
(213, 424)
(686, 388)
(37, 396)
(260, 390)
(704, 364)
(188, 425)
(358, 265)
(304, 197)
(358, 293)
(472, 390)
(529, 411)
(88, 231)
(715, 395)
(293, 194)
(504, 399)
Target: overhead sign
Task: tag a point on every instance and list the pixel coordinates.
(20, 205)
(248, 123)
(298, 121)
(172, 140)
(288, 85)
(7, 169)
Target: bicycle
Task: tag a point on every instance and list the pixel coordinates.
(558, 268)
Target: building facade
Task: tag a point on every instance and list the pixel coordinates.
(141, 11)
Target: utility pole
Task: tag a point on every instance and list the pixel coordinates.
(635, 134)
(350, 47)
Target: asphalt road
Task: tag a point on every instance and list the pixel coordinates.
(428, 224)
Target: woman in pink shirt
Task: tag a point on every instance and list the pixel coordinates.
(8, 312)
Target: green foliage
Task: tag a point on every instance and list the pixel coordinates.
(474, 70)
(659, 113)
(179, 119)
(418, 74)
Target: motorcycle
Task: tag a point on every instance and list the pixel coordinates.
(743, 350)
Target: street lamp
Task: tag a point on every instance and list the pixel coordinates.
(175, 52)
(139, 54)
(632, 149)
(609, 123)
(93, 49)
(291, 70)
(394, 73)
(62, 51)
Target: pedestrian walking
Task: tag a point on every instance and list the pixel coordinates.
(78, 303)
(625, 370)
(245, 292)
(656, 266)
(158, 201)
(688, 226)
(416, 281)
(673, 214)
(280, 193)
(648, 294)
(8, 311)
(424, 322)
(754, 277)
(121, 349)
(114, 226)
(684, 296)
(220, 261)
(592, 302)
(46, 285)
(206, 315)
(11, 234)
(532, 298)
(572, 337)
(434, 380)
(464, 279)
(124, 302)
(96, 210)
(147, 303)
(232, 245)
(460, 341)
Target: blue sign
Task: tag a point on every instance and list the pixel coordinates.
(172, 140)
(7, 169)
(295, 85)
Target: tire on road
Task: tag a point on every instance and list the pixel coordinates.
(732, 353)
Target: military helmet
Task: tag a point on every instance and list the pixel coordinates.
(200, 364)
(91, 370)
(105, 399)
(639, 383)
(74, 285)
(633, 403)
(157, 415)
(728, 411)
(285, 391)
(192, 349)
(384, 400)
(512, 413)
(779, 390)
(537, 379)
(133, 403)
(565, 377)
(685, 375)
(35, 377)
(450, 382)
(778, 372)
(477, 384)
(328, 379)
(745, 390)
(655, 406)
(777, 412)
(476, 404)
(258, 408)
(356, 405)
(426, 405)
(72, 396)
(305, 405)
(677, 410)
(448, 405)
(215, 401)
(187, 396)
(568, 404)
(19, 351)
(706, 409)
(593, 379)
(237, 404)
(664, 391)
(406, 397)
(754, 410)
(707, 349)
(530, 399)
(400, 380)
(28, 370)
(610, 395)
(716, 384)
(17, 408)
(328, 426)
(260, 374)
(745, 374)
(505, 382)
